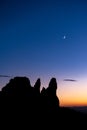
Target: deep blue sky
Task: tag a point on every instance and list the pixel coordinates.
(31, 39)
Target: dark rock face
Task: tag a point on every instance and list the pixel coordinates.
(24, 106)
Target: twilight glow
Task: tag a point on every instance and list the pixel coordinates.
(46, 39)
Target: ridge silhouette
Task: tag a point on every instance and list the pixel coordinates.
(23, 105)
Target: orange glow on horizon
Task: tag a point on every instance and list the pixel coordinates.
(73, 94)
(73, 99)
(73, 102)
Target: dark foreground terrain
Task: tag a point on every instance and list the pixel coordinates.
(23, 106)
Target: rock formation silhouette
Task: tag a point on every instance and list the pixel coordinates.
(50, 100)
(26, 106)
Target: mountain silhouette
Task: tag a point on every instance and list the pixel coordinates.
(25, 106)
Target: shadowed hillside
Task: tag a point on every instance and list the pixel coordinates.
(23, 105)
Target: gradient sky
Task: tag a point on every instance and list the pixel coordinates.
(46, 39)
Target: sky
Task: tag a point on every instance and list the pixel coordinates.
(46, 38)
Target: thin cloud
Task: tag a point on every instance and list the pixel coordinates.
(5, 76)
(71, 80)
